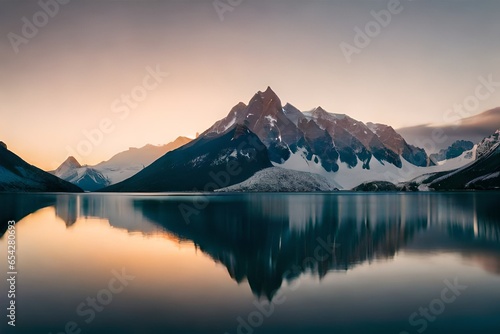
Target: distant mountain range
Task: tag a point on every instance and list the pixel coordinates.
(207, 163)
(120, 167)
(481, 173)
(313, 142)
(125, 164)
(345, 151)
(310, 151)
(453, 151)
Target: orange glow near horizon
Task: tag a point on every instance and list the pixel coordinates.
(93, 247)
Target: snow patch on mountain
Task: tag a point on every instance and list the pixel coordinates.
(85, 177)
(487, 144)
(227, 126)
(348, 177)
(271, 120)
(275, 179)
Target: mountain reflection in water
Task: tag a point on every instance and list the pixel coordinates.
(265, 239)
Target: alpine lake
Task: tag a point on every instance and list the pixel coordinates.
(340, 262)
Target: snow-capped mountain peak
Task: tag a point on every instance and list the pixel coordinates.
(67, 166)
(487, 144)
(323, 138)
(118, 168)
(85, 177)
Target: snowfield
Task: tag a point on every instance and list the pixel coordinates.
(275, 179)
(347, 178)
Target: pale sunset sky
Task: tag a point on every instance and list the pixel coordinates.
(69, 76)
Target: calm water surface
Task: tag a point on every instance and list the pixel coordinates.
(255, 263)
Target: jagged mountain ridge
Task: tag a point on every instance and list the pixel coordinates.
(345, 151)
(395, 142)
(328, 138)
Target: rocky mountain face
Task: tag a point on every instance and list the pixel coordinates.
(396, 143)
(325, 138)
(342, 149)
(17, 175)
(265, 117)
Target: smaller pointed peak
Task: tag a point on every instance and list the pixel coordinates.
(68, 164)
(238, 107)
(267, 96)
(72, 161)
(290, 108)
(2, 144)
(320, 110)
